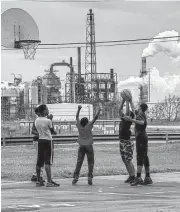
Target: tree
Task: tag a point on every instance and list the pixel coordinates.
(168, 110)
(172, 107)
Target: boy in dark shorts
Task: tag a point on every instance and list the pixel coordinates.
(45, 146)
(141, 146)
(85, 141)
(126, 144)
(35, 143)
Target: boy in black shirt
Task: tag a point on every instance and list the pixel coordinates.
(141, 146)
(126, 144)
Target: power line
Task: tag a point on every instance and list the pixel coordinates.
(83, 46)
(113, 41)
(61, 1)
(126, 44)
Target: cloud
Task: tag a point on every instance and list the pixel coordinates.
(160, 86)
(170, 48)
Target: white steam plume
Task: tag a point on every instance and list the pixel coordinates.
(162, 86)
(170, 48)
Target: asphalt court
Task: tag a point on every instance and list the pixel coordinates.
(108, 193)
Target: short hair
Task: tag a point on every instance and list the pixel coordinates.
(84, 121)
(144, 107)
(42, 108)
(36, 110)
(132, 115)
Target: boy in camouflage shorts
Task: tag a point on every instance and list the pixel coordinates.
(126, 144)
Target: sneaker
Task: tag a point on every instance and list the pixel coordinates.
(75, 180)
(34, 178)
(130, 179)
(90, 181)
(147, 181)
(40, 183)
(137, 181)
(41, 179)
(52, 184)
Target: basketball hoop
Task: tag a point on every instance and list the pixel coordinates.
(29, 47)
(19, 31)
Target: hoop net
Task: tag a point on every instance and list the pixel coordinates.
(29, 47)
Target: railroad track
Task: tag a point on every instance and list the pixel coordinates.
(59, 139)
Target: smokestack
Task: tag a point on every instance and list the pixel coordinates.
(143, 69)
(143, 88)
(79, 64)
(112, 73)
(112, 79)
(72, 81)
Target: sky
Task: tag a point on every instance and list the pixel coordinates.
(63, 22)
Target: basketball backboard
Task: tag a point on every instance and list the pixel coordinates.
(19, 30)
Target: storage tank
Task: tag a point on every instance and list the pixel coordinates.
(53, 85)
(9, 92)
(26, 94)
(51, 80)
(34, 95)
(44, 94)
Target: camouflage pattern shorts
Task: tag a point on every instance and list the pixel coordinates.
(126, 150)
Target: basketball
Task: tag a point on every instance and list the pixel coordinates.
(126, 95)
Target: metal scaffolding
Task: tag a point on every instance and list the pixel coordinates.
(90, 54)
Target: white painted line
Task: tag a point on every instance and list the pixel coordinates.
(41, 205)
(160, 192)
(24, 206)
(14, 182)
(61, 204)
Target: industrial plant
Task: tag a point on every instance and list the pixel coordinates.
(19, 99)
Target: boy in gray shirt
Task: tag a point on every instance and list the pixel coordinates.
(85, 141)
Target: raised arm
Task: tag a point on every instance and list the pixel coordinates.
(127, 108)
(132, 106)
(139, 120)
(78, 111)
(96, 116)
(121, 108)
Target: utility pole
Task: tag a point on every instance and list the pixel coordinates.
(149, 85)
